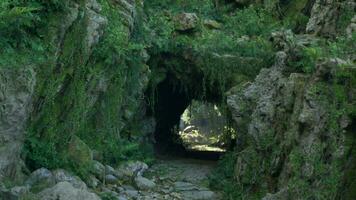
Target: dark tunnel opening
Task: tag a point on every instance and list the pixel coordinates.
(171, 100)
(170, 104)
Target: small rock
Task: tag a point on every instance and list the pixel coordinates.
(122, 198)
(132, 169)
(109, 170)
(61, 175)
(186, 21)
(19, 190)
(143, 183)
(132, 193)
(92, 182)
(98, 169)
(111, 179)
(184, 186)
(199, 195)
(128, 187)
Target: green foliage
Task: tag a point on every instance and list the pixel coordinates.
(342, 47)
(67, 87)
(223, 177)
(242, 46)
(107, 196)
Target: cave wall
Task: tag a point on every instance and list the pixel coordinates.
(294, 127)
(84, 87)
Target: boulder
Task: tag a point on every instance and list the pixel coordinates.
(111, 179)
(61, 175)
(186, 21)
(65, 191)
(40, 179)
(143, 183)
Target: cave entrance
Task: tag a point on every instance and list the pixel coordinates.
(172, 105)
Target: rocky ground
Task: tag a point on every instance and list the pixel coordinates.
(169, 178)
(173, 178)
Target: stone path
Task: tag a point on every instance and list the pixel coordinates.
(174, 179)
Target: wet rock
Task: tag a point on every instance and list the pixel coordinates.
(186, 21)
(40, 179)
(65, 191)
(143, 183)
(61, 175)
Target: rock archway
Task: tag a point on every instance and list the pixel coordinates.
(181, 82)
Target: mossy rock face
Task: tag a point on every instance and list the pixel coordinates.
(79, 152)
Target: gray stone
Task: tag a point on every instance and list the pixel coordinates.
(199, 195)
(96, 23)
(323, 18)
(186, 21)
(40, 179)
(111, 179)
(17, 85)
(131, 193)
(281, 195)
(184, 186)
(65, 191)
(143, 183)
(351, 29)
(98, 169)
(109, 170)
(133, 169)
(92, 181)
(61, 175)
(15, 193)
